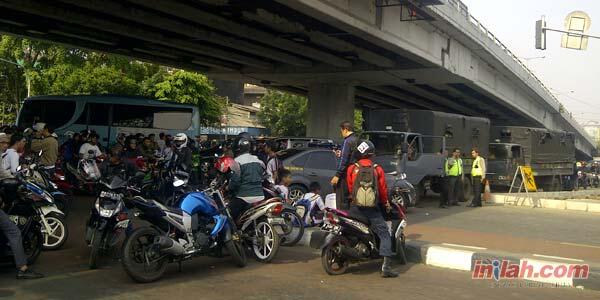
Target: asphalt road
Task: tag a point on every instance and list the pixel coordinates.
(295, 274)
(564, 233)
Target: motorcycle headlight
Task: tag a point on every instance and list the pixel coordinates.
(106, 213)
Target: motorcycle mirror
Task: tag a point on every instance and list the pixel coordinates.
(40, 153)
(19, 168)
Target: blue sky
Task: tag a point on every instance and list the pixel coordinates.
(574, 76)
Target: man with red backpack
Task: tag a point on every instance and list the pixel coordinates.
(366, 183)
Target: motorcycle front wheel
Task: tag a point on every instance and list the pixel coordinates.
(293, 230)
(57, 233)
(235, 247)
(32, 244)
(401, 250)
(332, 258)
(266, 242)
(95, 248)
(142, 260)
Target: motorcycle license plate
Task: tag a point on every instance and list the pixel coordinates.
(278, 223)
(111, 195)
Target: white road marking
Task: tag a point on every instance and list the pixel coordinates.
(558, 257)
(463, 246)
(580, 245)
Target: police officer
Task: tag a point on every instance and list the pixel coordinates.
(477, 177)
(454, 172)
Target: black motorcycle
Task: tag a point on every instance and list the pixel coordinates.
(23, 212)
(109, 218)
(345, 237)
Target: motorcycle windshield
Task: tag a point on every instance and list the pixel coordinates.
(116, 182)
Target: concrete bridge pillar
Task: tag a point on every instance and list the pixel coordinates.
(328, 106)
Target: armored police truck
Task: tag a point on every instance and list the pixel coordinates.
(550, 153)
(430, 136)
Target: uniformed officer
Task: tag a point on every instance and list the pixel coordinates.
(454, 171)
(477, 177)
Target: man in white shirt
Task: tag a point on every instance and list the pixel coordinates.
(92, 145)
(10, 158)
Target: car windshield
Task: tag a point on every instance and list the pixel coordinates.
(499, 151)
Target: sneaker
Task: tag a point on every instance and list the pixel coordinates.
(28, 274)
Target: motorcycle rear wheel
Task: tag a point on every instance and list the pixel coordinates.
(293, 221)
(266, 242)
(136, 250)
(331, 257)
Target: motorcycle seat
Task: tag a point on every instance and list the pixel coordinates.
(266, 201)
(356, 215)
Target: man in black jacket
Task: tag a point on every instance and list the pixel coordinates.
(346, 158)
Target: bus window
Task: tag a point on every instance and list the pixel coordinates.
(55, 113)
(99, 113)
(133, 116)
(167, 119)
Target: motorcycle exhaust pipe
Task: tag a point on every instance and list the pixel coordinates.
(169, 246)
(351, 252)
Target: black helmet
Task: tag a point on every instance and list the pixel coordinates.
(243, 143)
(365, 148)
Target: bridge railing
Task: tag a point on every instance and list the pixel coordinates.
(464, 10)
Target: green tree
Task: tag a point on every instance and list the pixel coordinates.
(189, 88)
(283, 113)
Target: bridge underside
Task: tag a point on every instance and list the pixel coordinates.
(265, 42)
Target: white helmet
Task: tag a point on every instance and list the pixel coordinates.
(180, 140)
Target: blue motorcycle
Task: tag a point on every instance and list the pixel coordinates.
(201, 226)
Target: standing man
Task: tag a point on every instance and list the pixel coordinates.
(477, 175)
(346, 159)
(274, 164)
(45, 141)
(454, 171)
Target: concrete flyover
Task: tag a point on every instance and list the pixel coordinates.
(427, 54)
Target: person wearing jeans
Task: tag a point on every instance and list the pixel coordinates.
(8, 227)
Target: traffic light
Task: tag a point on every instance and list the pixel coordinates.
(540, 34)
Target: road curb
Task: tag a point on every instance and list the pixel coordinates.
(465, 258)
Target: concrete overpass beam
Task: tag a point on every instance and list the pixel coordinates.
(328, 106)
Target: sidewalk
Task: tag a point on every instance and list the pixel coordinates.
(456, 237)
(584, 200)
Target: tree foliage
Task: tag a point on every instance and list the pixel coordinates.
(56, 70)
(189, 88)
(285, 114)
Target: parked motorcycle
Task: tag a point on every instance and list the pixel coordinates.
(108, 217)
(582, 181)
(25, 216)
(54, 227)
(52, 180)
(346, 238)
(201, 225)
(86, 172)
(293, 228)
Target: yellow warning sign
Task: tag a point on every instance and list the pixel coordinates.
(528, 178)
